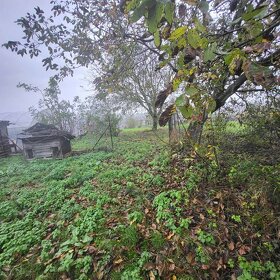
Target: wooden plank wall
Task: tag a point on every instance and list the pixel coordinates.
(41, 149)
(5, 148)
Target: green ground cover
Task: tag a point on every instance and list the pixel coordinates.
(138, 212)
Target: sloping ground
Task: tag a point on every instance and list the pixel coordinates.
(137, 213)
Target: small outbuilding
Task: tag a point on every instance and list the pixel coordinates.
(45, 141)
(5, 147)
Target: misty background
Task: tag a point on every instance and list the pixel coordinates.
(14, 102)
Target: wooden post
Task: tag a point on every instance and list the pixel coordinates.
(112, 144)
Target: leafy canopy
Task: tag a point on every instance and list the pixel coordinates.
(214, 47)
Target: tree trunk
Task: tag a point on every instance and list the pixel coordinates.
(195, 129)
(155, 122)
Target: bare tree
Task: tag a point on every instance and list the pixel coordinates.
(134, 79)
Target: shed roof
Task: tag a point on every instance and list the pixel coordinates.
(40, 130)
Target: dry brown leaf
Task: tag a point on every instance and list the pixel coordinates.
(160, 264)
(190, 257)
(100, 275)
(205, 266)
(91, 249)
(195, 201)
(231, 246)
(170, 235)
(219, 195)
(118, 260)
(64, 277)
(243, 250)
(149, 266)
(171, 267)
(152, 276)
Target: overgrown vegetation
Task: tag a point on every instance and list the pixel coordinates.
(139, 212)
(206, 209)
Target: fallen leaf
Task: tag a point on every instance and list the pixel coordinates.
(244, 250)
(190, 257)
(152, 276)
(205, 266)
(149, 266)
(100, 274)
(65, 277)
(91, 249)
(218, 195)
(231, 246)
(170, 235)
(118, 260)
(171, 267)
(159, 264)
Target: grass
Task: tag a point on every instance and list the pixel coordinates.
(136, 212)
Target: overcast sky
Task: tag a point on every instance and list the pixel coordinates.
(15, 69)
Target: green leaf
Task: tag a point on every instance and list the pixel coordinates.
(157, 38)
(182, 43)
(209, 54)
(141, 9)
(176, 83)
(169, 12)
(159, 11)
(131, 5)
(204, 43)
(151, 21)
(193, 38)
(257, 13)
(199, 26)
(236, 53)
(181, 60)
(211, 105)
(180, 101)
(191, 90)
(255, 29)
(177, 33)
(138, 13)
(155, 14)
(186, 111)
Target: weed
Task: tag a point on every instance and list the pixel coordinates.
(236, 218)
(253, 269)
(129, 236)
(200, 255)
(169, 208)
(205, 238)
(136, 217)
(157, 240)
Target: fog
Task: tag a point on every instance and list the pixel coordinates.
(15, 69)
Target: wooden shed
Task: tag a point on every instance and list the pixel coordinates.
(5, 147)
(45, 141)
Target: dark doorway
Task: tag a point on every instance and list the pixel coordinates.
(55, 152)
(29, 153)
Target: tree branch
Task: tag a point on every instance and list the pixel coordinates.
(221, 98)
